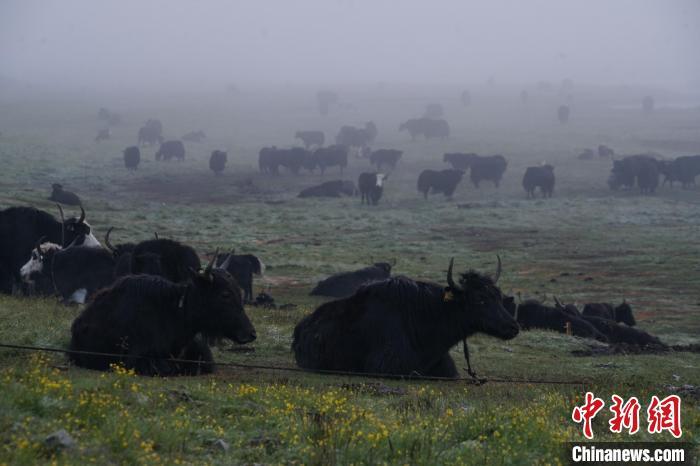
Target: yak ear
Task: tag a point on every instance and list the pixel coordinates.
(448, 294)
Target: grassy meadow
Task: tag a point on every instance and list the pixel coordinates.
(584, 244)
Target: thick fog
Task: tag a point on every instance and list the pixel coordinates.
(207, 45)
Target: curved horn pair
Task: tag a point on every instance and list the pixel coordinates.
(210, 265)
(82, 215)
(451, 282)
(557, 302)
(224, 265)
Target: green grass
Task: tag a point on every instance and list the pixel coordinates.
(585, 244)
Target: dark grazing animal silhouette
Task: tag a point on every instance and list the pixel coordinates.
(490, 168)
(217, 161)
(148, 320)
(442, 181)
(426, 127)
(642, 169)
(459, 161)
(371, 186)
(132, 157)
(271, 158)
(344, 284)
(539, 177)
(620, 313)
(402, 326)
(151, 133)
(388, 157)
(311, 138)
(332, 156)
(617, 333)
(533, 314)
(242, 267)
(20, 230)
(171, 150)
(60, 195)
(103, 135)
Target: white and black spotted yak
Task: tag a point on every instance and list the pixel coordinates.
(20, 230)
(148, 321)
(403, 327)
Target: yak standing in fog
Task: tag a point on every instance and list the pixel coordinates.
(489, 168)
(171, 150)
(459, 161)
(151, 133)
(332, 156)
(62, 196)
(642, 169)
(132, 157)
(563, 113)
(311, 138)
(443, 181)
(217, 161)
(426, 127)
(539, 177)
(385, 157)
(371, 186)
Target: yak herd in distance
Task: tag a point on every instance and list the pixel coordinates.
(153, 306)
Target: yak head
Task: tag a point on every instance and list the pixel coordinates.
(220, 304)
(35, 265)
(623, 313)
(77, 231)
(480, 304)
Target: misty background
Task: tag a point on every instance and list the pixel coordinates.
(203, 46)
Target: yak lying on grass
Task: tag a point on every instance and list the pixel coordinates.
(344, 284)
(401, 326)
(174, 259)
(533, 314)
(148, 321)
(617, 333)
(621, 313)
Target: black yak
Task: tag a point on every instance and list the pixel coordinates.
(489, 168)
(336, 155)
(75, 273)
(686, 168)
(151, 133)
(60, 195)
(385, 157)
(148, 320)
(171, 150)
(642, 169)
(426, 127)
(311, 138)
(176, 260)
(335, 188)
(271, 158)
(533, 314)
(357, 137)
(617, 333)
(344, 284)
(539, 177)
(20, 230)
(459, 161)
(217, 161)
(621, 313)
(401, 326)
(442, 181)
(371, 186)
(132, 157)
(242, 267)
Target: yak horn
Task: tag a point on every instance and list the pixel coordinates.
(107, 243)
(63, 225)
(82, 215)
(155, 233)
(450, 281)
(210, 265)
(224, 265)
(498, 270)
(38, 245)
(557, 301)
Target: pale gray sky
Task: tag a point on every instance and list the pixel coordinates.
(188, 44)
